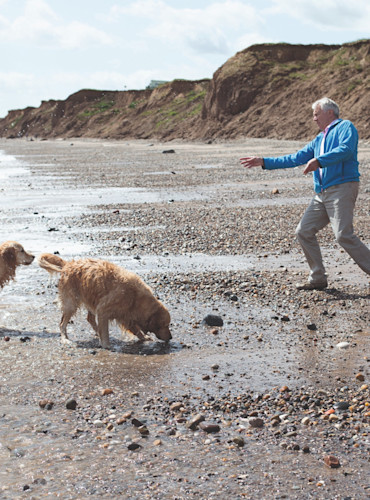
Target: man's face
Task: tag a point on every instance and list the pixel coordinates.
(323, 118)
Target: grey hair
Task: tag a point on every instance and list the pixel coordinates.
(325, 104)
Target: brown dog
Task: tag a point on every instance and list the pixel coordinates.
(12, 255)
(109, 293)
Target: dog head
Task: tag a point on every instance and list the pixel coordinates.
(15, 255)
(159, 323)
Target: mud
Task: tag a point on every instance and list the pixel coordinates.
(210, 238)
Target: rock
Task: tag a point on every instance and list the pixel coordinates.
(105, 392)
(195, 421)
(256, 422)
(134, 446)
(176, 406)
(213, 320)
(331, 461)
(239, 441)
(360, 377)
(305, 421)
(341, 405)
(343, 345)
(71, 404)
(144, 431)
(312, 327)
(210, 428)
(168, 151)
(6, 338)
(157, 442)
(275, 191)
(136, 422)
(46, 404)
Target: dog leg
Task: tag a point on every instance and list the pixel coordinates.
(91, 320)
(139, 333)
(63, 327)
(103, 331)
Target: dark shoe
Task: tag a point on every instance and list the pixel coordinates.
(311, 286)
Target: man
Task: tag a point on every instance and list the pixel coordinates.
(332, 157)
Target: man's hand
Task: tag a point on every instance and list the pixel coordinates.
(251, 161)
(311, 166)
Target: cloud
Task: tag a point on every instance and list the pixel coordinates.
(40, 25)
(329, 15)
(207, 30)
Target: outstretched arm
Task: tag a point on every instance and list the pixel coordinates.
(251, 161)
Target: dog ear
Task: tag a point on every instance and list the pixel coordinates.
(10, 257)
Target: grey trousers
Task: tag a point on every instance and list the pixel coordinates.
(334, 205)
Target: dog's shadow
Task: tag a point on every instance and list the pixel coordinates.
(148, 348)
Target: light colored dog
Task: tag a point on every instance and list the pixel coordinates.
(12, 255)
(109, 293)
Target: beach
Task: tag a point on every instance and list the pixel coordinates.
(252, 408)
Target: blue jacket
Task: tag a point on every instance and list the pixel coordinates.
(339, 160)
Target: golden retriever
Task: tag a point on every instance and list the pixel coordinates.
(109, 293)
(12, 255)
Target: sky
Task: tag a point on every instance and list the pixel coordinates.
(51, 49)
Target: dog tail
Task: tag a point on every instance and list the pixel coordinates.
(51, 262)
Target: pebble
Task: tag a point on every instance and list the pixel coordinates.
(343, 345)
(256, 422)
(134, 446)
(137, 422)
(360, 377)
(210, 428)
(195, 421)
(71, 404)
(106, 392)
(341, 405)
(213, 320)
(239, 441)
(331, 461)
(46, 404)
(143, 430)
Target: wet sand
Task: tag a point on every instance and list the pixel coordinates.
(210, 238)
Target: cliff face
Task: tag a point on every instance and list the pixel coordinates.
(263, 91)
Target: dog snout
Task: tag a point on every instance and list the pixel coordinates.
(29, 258)
(164, 334)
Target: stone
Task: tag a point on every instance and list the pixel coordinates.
(331, 461)
(134, 446)
(195, 421)
(343, 345)
(210, 428)
(105, 392)
(256, 422)
(360, 377)
(71, 404)
(176, 406)
(341, 405)
(136, 422)
(312, 327)
(143, 430)
(239, 441)
(213, 320)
